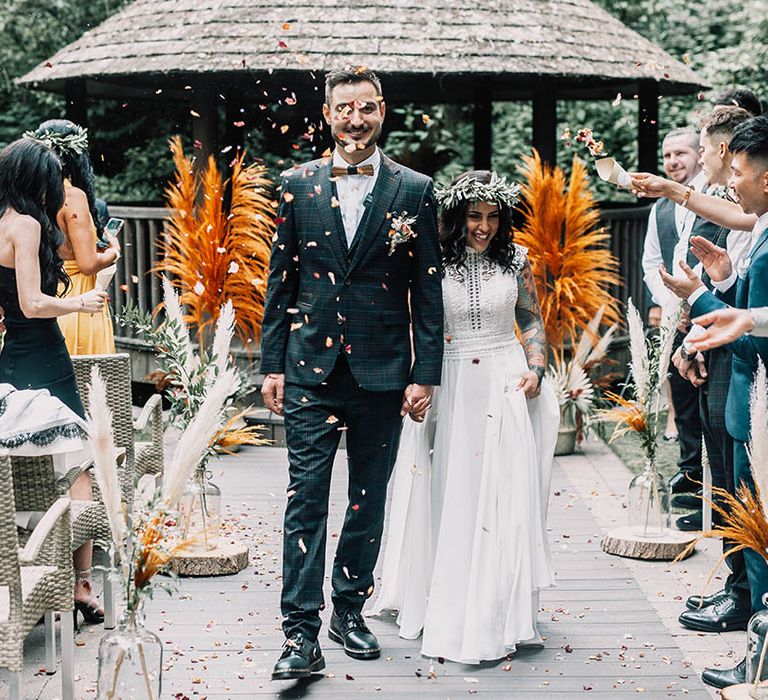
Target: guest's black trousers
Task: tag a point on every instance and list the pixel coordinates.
(314, 420)
(685, 399)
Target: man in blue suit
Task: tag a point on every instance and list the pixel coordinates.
(749, 180)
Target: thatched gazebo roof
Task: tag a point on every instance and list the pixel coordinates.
(426, 51)
(427, 47)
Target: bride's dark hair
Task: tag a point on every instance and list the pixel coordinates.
(77, 167)
(452, 228)
(31, 183)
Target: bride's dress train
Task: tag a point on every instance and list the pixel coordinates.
(467, 552)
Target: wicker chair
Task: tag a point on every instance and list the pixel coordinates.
(141, 458)
(35, 582)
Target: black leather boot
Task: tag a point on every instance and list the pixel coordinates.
(696, 602)
(349, 628)
(729, 676)
(300, 659)
(724, 615)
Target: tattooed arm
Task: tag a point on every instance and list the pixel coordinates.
(529, 321)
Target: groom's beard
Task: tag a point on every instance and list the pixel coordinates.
(371, 138)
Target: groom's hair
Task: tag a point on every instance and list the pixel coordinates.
(350, 74)
(751, 139)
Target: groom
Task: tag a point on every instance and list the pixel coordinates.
(355, 266)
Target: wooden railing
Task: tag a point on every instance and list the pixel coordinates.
(144, 226)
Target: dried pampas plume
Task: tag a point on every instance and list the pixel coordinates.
(194, 441)
(638, 354)
(175, 314)
(99, 429)
(225, 330)
(758, 444)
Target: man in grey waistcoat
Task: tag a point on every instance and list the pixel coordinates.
(670, 225)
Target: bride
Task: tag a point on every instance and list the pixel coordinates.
(467, 551)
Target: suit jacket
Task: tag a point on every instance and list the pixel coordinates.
(324, 299)
(751, 290)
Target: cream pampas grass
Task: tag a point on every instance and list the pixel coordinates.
(99, 429)
(195, 439)
(225, 330)
(600, 350)
(587, 339)
(180, 332)
(638, 363)
(668, 327)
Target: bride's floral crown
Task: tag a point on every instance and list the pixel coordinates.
(469, 189)
(76, 142)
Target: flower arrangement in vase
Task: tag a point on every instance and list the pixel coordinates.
(648, 498)
(144, 540)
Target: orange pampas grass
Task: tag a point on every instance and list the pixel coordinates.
(574, 270)
(213, 255)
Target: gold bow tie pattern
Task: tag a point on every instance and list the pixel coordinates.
(352, 170)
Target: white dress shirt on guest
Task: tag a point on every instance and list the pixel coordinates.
(652, 258)
(352, 191)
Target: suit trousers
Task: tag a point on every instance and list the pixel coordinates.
(685, 399)
(757, 569)
(314, 419)
(719, 444)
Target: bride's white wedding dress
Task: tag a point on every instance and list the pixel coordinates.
(467, 551)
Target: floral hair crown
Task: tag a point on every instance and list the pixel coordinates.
(469, 189)
(77, 141)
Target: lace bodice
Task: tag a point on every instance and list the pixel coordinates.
(480, 301)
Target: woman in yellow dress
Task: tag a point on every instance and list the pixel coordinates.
(85, 334)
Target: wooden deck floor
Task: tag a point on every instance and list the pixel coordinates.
(222, 636)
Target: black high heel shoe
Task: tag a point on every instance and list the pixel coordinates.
(91, 612)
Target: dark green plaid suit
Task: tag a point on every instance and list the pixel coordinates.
(337, 323)
(712, 399)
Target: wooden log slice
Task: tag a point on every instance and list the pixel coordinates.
(226, 559)
(739, 692)
(623, 542)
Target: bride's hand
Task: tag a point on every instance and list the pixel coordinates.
(529, 383)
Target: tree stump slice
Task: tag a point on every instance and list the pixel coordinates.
(226, 559)
(737, 692)
(622, 542)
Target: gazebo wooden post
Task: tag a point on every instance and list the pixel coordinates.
(648, 126)
(204, 126)
(483, 129)
(545, 120)
(76, 97)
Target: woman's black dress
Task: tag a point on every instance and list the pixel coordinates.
(34, 354)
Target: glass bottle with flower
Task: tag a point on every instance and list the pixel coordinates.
(648, 494)
(130, 656)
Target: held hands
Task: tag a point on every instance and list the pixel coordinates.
(682, 288)
(530, 384)
(273, 392)
(92, 302)
(715, 259)
(417, 398)
(693, 370)
(722, 326)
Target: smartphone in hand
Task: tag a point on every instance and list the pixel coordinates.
(114, 226)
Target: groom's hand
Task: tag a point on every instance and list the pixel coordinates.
(417, 398)
(273, 391)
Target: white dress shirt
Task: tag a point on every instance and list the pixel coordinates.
(652, 258)
(352, 191)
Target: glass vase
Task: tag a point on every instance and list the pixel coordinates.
(757, 664)
(648, 503)
(200, 508)
(130, 661)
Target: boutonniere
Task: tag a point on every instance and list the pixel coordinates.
(400, 230)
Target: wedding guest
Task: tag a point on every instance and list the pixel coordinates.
(726, 325)
(467, 551)
(336, 349)
(729, 608)
(740, 97)
(666, 242)
(82, 227)
(34, 355)
(749, 148)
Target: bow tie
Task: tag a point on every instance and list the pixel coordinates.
(352, 170)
